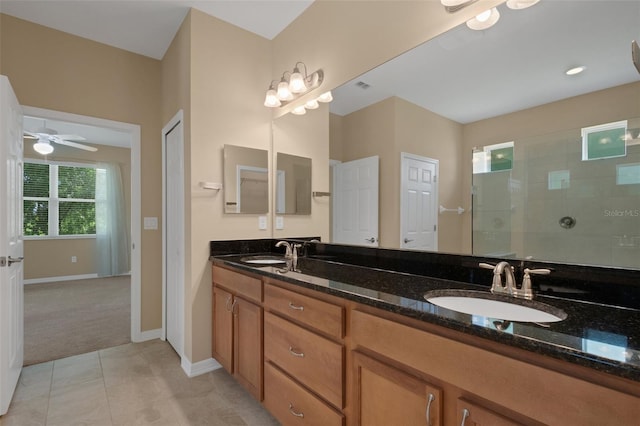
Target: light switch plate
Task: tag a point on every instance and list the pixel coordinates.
(150, 223)
(262, 222)
(279, 222)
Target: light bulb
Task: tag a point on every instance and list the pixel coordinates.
(575, 70)
(43, 147)
(271, 100)
(284, 94)
(485, 20)
(296, 82)
(520, 4)
(299, 110)
(312, 104)
(325, 97)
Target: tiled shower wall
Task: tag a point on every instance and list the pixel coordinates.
(517, 213)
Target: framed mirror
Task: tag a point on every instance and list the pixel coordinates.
(293, 184)
(246, 180)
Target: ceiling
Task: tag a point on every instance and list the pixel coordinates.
(147, 27)
(463, 75)
(519, 63)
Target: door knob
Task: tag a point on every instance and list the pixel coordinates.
(11, 260)
(406, 240)
(371, 240)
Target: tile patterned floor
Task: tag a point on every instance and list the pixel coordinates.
(133, 384)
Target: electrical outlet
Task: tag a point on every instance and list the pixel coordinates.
(74, 259)
(279, 222)
(262, 222)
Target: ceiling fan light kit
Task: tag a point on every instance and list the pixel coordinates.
(45, 136)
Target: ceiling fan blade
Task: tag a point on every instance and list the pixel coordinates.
(74, 144)
(29, 135)
(70, 137)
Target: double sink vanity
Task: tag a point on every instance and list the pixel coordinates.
(342, 335)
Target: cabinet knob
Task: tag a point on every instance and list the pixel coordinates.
(428, 413)
(227, 304)
(294, 412)
(295, 353)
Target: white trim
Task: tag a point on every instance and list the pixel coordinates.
(144, 336)
(62, 278)
(200, 367)
(136, 241)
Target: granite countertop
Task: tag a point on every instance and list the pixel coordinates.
(602, 337)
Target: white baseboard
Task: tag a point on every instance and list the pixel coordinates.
(201, 367)
(64, 278)
(143, 336)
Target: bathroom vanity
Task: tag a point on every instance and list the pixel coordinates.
(334, 343)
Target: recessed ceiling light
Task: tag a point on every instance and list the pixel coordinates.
(575, 70)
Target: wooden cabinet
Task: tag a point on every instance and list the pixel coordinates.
(471, 414)
(292, 404)
(384, 395)
(304, 358)
(238, 327)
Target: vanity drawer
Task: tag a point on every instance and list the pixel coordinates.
(314, 361)
(248, 287)
(323, 316)
(291, 404)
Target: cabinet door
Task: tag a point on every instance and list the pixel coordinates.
(471, 414)
(222, 339)
(385, 395)
(247, 359)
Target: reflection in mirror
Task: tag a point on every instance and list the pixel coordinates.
(293, 184)
(246, 180)
(559, 197)
(470, 89)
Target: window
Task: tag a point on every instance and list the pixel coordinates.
(493, 158)
(59, 199)
(604, 141)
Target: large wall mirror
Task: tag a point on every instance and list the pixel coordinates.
(293, 184)
(246, 180)
(466, 90)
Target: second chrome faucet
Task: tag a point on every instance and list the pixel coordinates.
(509, 285)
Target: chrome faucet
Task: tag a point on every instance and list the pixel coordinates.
(288, 253)
(509, 286)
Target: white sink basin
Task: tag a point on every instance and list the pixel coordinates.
(500, 307)
(264, 260)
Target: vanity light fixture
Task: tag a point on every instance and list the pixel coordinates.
(575, 70)
(271, 99)
(43, 147)
(521, 4)
(301, 110)
(486, 19)
(452, 6)
(296, 85)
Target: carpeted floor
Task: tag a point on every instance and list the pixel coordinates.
(68, 318)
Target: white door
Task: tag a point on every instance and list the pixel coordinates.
(355, 202)
(11, 248)
(174, 232)
(419, 201)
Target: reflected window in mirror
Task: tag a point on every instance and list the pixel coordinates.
(246, 180)
(293, 184)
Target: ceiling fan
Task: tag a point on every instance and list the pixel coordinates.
(45, 136)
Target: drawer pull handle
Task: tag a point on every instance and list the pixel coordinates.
(292, 411)
(296, 307)
(465, 414)
(428, 413)
(294, 353)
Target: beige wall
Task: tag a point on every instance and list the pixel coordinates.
(230, 70)
(88, 78)
(54, 255)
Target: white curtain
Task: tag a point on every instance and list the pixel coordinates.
(112, 231)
